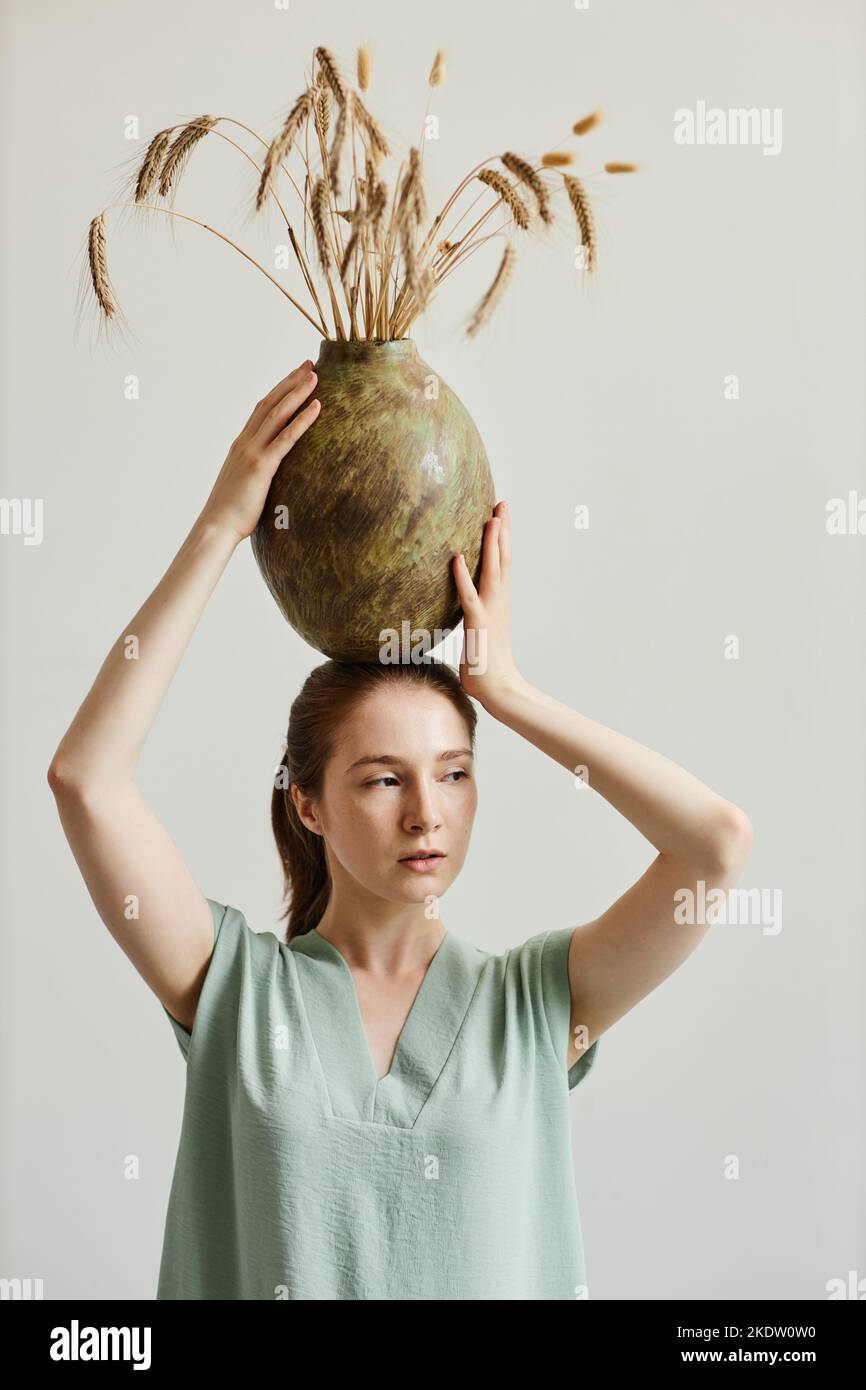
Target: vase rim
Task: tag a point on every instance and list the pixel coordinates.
(360, 347)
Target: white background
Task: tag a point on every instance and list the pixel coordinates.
(707, 518)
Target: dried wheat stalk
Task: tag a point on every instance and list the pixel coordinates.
(332, 73)
(375, 251)
(508, 193)
(437, 72)
(588, 123)
(279, 148)
(495, 292)
(319, 213)
(583, 213)
(323, 105)
(525, 172)
(379, 143)
(365, 67)
(99, 266)
(337, 147)
(180, 150)
(151, 166)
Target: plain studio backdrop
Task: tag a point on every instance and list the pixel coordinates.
(702, 397)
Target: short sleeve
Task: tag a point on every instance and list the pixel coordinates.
(183, 1035)
(556, 993)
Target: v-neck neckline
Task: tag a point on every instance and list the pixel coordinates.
(428, 1034)
(406, 1029)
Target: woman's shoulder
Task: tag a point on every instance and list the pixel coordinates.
(231, 926)
(551, 941)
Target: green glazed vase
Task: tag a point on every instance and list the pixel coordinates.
(366, 512)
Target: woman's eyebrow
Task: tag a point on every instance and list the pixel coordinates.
(389, 757)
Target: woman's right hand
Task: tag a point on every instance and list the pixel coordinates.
(277, 422)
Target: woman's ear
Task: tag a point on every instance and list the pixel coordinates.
(306, 809)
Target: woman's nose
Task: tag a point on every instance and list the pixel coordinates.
(422, 812)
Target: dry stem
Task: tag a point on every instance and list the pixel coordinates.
(365, 269)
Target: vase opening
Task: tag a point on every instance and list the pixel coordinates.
(365, 349)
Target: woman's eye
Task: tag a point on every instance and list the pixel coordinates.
(379, 780)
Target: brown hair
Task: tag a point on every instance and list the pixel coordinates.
(326, 698)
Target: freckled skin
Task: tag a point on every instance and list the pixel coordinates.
(373, 815)
(381, 491)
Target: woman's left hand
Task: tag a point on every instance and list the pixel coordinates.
(487, 666)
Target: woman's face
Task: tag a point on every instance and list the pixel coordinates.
(416, 792)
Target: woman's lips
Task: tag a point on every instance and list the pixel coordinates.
(422, 866)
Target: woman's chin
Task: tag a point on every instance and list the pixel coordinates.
(419, 888)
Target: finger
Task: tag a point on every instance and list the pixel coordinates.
(466, 590)
(276, 393)
(490, 573)
(295, 428)
(280, 413)
(505, 537)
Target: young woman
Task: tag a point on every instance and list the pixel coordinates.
(375, 1108)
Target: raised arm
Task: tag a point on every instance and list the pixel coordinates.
(139, 883)
(621, 956)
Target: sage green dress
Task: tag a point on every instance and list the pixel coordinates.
(299, 1175)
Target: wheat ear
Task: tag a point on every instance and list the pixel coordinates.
(508, 193)
(365, 67)
(525, 172)
(152, 163)
(180, 150)
(329, 67)
(579, 200)
(588, 123)
(318, 213)
(495, 292)
(282, 144)
(99, 267)
(380, 144)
